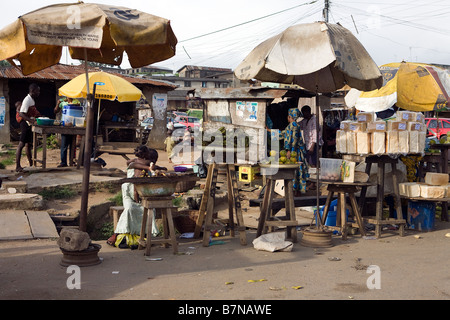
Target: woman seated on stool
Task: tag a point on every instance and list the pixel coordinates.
(128, 229)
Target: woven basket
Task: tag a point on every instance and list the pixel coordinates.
(185, 186)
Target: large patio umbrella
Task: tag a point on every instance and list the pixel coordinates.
(109, 87)
(320, 57)
(93, 32)
(408, 85)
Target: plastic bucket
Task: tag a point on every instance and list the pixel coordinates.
(331, 216)
(421, 215)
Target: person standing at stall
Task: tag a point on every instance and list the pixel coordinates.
(295, 148)
(308, 125)
(26, 118)
(66, 140)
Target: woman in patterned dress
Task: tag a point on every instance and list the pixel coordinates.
(293, 141)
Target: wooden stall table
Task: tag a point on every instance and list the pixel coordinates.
(343, 188)
(267, 220)
(444, 147)
(429, 159)
(44, 131)
(163, 207)
(206, 211)
(110, 127)
(380, 161)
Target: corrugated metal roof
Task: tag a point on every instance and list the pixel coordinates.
(68, 72)
(248, 93)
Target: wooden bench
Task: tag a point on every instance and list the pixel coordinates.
(279, 203)
(307, 201)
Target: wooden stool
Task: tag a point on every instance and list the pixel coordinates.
(206, 210)
(267, 220)
(163, 206)
(378, 220)
(342, 188)
(115, 213)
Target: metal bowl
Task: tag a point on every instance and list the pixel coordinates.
(162, 189)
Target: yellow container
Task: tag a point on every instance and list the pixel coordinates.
(249, 173)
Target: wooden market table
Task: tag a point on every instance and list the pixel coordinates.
(108, 128)
(267, 220)
(380, 161)
(44, 131)
(343, 188)
(444, 147)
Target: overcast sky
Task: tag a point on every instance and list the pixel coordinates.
(390, 30)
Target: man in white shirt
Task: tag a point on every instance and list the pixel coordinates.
(28, 113)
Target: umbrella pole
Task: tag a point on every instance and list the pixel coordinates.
(87, 151)
(319, 222)
(98, 123)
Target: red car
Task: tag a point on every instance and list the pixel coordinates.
(188, 121)
(437, 131)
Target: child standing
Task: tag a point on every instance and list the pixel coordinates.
(169, 143)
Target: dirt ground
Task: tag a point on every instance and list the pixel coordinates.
(413, 267)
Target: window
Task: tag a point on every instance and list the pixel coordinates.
(204, 84)
(187, 83)
(432, 124)
(445, 124)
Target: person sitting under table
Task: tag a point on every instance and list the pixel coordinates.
(128, 229)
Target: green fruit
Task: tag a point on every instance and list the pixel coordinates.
(283, 153)
(432, 141)
(293, 160)
(273, 153)
(293, 154)
(283, 159)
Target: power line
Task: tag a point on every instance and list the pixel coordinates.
(247, 22)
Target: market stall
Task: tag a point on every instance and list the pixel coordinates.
(50, 128)
(373, 141)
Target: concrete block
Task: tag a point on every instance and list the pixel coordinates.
(42, 226)
(21, 201)
(14, 225)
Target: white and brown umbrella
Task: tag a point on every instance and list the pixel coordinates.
(93, 32)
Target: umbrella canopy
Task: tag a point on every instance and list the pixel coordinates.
(112, 88)
(36, 39)
(320, 57)
(93, 32)
(411, 86)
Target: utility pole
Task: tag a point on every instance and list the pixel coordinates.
(326, 10)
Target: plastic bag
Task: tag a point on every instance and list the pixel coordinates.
(272, 242)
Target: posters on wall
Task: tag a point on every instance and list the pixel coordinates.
(2, 111)
(159, 106)
(248, 111)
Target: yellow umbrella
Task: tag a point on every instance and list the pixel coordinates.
(93, 32)
(411, 86)
(112, 88)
